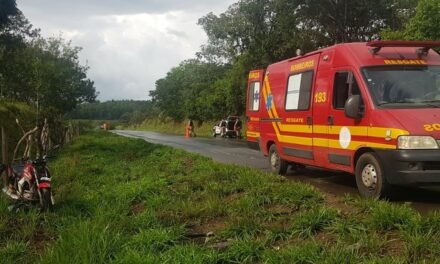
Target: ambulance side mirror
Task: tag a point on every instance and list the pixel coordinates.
(353, 107)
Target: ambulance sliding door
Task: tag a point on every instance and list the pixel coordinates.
(296, 129)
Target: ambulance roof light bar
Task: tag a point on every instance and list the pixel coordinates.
(424, 46)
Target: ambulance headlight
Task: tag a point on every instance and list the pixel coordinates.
(416, 142)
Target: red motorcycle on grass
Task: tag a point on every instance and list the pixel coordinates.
(29, 182)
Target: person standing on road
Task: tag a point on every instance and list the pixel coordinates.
(192, 132)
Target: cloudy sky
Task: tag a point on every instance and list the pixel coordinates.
(127, 44)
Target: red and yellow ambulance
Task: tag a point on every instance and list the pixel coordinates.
(370, 109)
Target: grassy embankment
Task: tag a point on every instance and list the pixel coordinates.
(122, 200)
(169, 127)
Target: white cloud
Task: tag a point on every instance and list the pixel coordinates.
(127, 46)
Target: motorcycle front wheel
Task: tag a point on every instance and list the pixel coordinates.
(46, 199)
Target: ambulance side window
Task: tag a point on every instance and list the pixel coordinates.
(344, 86)
(298, 92)
(254, 96)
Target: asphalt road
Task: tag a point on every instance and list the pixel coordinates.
(236, 152)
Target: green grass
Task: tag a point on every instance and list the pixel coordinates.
(308, 223)
(123, 200)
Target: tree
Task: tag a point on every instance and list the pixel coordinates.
(262, 29)
(347, 21)
(46, 72)
(271, 30)
(8, 9)
(188, 91)
(424, 25)
(61, 78)
(168, 95)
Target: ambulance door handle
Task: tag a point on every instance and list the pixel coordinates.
(330, 120)
(309, 120)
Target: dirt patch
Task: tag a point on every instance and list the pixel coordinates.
(205, 226)
(41, 240)
(395, 245)
(129, 157)
(335, 201)
(137, 208)
(204, 231)
(325, 237)
(188, 162)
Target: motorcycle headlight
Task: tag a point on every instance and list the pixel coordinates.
(416, 142)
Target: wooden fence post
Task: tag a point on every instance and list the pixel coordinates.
(4, 142)
(4, 146)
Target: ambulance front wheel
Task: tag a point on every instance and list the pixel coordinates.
(277, 164)
(370, 178)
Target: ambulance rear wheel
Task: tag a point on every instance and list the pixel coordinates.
(277, 164)
(370, 178)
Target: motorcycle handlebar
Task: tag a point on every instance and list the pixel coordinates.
(39, 161)
(42, 160)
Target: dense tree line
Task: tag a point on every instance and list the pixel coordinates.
(114, 110)
(254, 33)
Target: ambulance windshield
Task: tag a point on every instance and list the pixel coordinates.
(404, 86)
